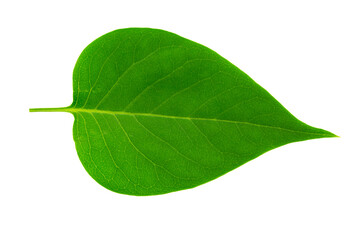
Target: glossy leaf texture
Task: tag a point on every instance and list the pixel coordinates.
(157, 113)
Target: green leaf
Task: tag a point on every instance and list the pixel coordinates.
(157, 113)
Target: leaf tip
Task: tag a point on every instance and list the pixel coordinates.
(334, 135)
(331, 135)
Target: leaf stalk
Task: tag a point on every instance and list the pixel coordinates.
(62, 109)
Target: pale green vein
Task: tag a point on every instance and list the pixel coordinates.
(161, 79)
(75, 110)
(146, 157)
(213, 97)
(77, 134)
(101, 69)
(107, 147)
(181, 91)
(236, 105)
(206, 137)
(136, 184)
(168, 144)
(92, 160)
(78, 82)
(89, 70)
(126, 71)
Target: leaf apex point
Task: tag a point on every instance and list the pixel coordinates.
(332, 135)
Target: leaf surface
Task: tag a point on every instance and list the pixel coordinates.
(157, 113)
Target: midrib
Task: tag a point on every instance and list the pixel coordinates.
(84, 110)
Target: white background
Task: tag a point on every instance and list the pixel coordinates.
(305, 53)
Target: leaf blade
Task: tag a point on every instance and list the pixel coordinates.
(157, 113)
